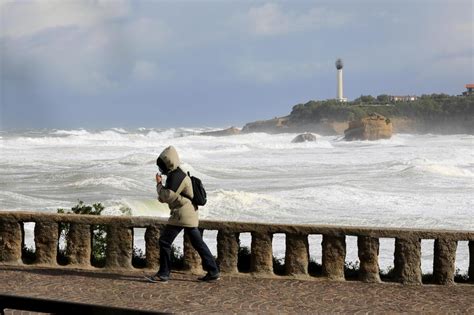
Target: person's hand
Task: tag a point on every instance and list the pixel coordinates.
(158, 178)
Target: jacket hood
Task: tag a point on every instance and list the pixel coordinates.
(170, 159)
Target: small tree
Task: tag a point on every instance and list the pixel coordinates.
(365, 99)
(98, 232)
(383, 98)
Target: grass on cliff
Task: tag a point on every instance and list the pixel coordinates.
(432, 107)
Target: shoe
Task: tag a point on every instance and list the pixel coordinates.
(209, 278)
(156, 278)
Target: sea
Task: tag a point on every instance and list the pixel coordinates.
(408, 181)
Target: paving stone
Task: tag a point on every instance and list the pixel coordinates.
(240, 293)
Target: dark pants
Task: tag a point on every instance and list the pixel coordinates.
(166, 240)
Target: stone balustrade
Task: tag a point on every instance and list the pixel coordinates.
(407, 255)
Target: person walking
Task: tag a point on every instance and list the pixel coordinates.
(178, 194)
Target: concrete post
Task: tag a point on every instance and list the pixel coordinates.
(297, 254)
(119, 247)
(78, 248)
(152, 237)
(443, 262)
(46, 241)
(10, 242)
(368, 248)
(261, 257)
(407, 260)
(227, 251)
(192, 261)
(334, 255)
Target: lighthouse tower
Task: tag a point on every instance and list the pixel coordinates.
(340, 95)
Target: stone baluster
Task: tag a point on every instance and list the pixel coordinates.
(334, 256)
(152, 237)
(443, 262)
(46, 241)
(471, 261)
(368, 248)
(78, 248)
(192, 261)
(10, 242)
(261, 258)
(297, 254)
(119, 247)
(407, 260)
(227, 251)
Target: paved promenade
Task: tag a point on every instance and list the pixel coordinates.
(233, 294)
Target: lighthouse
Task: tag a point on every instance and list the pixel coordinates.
(340, 95)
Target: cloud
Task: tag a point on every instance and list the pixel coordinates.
(24, 18)
(84, 50)
(270, 19)
(273, 71)
(147, 34)
(144, 70)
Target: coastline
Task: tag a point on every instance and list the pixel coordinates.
(325, 127)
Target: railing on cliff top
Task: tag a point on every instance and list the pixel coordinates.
(407, 256)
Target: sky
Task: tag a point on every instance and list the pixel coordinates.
(115, 63)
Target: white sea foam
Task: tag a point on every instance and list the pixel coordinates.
(120, 130)
(145, 207)
(447, 170)
(79, 132)
(117, 182)
(138, 159)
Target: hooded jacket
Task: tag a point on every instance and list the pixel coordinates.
(178, 185)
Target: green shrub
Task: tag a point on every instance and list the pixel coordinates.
(351, 270)
(138, 258)
(314, 268)
(99, 233)
(243, 262)
(28, 255)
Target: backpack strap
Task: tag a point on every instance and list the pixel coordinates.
(175, 179)
(187, 197)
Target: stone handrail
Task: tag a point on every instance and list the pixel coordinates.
(407, 256)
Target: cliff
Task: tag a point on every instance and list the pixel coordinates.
(456, 125)
(372, 127)
(284, 124)
(220, 133)
(436, 113)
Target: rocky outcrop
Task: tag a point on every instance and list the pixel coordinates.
(372, 127)
(304, 137)
(219, 133)
(286, 125)
(275, 125)
(448, 125)
(332, 127)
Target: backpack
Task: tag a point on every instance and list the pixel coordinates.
(200, 196)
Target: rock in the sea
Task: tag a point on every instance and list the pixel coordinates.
(372, 127)
(277, 124)
(304, 138)
(225, 132)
